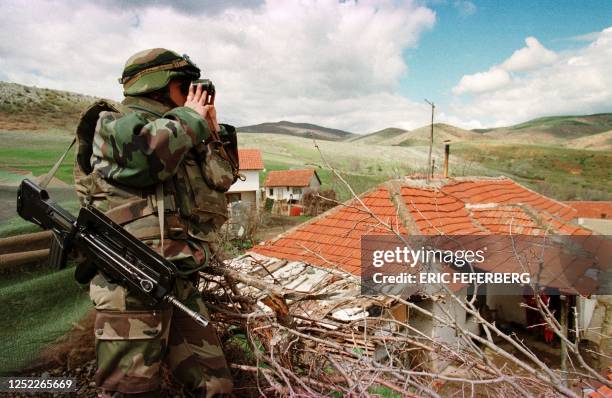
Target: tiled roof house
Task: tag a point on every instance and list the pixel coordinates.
(291, 184)
(592, 208)
(457, 206)
(250, 159)
(595, 215)
(247, 190)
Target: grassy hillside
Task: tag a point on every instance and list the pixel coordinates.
(442, 132)
(50, 303)
(378, 137)
(31, 108)
(558, 130)
(298, 129)
(362, 165)
(561, 173)
(418, 137)
(600, 141)
(35, 153)
(581, 132)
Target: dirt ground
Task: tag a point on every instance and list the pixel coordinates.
(271, 226)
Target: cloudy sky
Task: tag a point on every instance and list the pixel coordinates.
(358, 66)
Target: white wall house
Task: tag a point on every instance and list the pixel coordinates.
(291, 184)
(248, 190)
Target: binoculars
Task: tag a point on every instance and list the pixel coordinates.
(207, 85)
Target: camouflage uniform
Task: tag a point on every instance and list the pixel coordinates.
(143, 155)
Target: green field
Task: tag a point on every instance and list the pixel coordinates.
(561, 173)
(362, 165)
(36, 151)
(48, 304)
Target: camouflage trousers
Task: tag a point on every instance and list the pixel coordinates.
(133, 340)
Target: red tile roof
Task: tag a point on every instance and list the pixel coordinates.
(603, 391)
(290, 178)
(479, 206)
(250, 159)
(592, 209)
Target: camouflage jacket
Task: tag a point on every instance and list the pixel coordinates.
(146, 146)
(142, 146)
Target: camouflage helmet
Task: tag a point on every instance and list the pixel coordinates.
(152, 69)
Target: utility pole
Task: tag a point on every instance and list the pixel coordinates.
(429, 164)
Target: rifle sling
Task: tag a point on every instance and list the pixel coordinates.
(161, 213)
(53, 170)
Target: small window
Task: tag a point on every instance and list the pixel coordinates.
(271, 191)
(297, 190)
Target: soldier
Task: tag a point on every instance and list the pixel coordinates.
(160, 152)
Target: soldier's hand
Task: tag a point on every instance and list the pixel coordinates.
(197, 99)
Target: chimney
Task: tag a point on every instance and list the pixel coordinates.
(446, 156)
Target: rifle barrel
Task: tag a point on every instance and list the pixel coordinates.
(192, 314)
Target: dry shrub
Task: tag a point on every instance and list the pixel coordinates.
(319, 202)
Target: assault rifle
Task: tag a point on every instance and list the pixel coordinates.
(113, 251)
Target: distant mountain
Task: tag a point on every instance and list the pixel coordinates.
(299, 130)
(557, 130)
(581, 132)
(32, 108)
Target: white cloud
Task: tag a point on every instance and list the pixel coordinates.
(578, 81)
(530, 57)
(480, 82)
(533, 56)
(328, 62)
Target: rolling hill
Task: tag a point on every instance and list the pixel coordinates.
(442, 132)
(306, 130)
(378, 137)
(32, 108)
(555, 130)
(28, 108)
(599, 141)
(420, 136)
(592, 132)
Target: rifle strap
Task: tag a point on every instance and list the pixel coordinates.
(161, 213)
(53, 170)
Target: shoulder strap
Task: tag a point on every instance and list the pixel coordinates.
(161, 213)
(56, 166)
